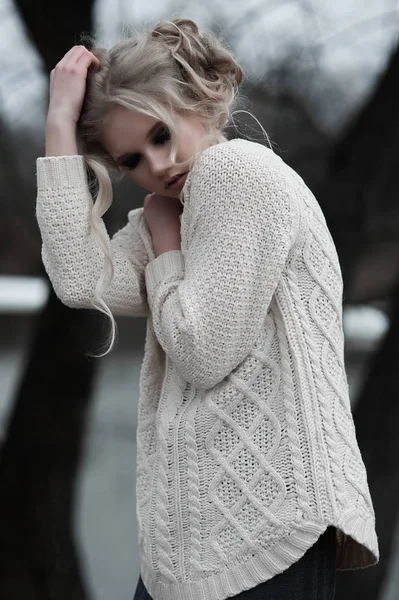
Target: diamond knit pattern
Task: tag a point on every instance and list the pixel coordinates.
(246, 446)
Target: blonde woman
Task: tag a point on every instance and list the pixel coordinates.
(250, 483)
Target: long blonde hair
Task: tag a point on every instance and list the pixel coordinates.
(172, 68)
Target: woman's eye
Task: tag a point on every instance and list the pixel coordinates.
(131, 161)
(162, 136)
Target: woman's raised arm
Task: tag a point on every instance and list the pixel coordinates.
(71, 252)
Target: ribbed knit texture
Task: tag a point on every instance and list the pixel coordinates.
(246, 447)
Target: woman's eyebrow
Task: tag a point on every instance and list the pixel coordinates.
(121, 158)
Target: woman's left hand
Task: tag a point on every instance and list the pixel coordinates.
(162, 217)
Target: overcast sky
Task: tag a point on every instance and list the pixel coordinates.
(347, 40)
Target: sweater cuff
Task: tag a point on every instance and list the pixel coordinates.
(60, 172)
(166, 266)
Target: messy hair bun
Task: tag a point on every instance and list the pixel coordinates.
(209, 69)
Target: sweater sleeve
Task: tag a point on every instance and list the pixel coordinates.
(71, 253)
(208, 306)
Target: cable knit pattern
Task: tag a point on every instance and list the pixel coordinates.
(246, 447)
(193, 499)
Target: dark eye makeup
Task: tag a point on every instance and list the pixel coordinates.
(161, 136)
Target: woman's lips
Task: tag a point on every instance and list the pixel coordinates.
(179, 182)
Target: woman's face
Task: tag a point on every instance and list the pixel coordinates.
(141, 145)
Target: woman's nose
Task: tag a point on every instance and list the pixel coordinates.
(158, 162)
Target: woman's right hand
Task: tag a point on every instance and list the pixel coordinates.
(67, 92)
(68, 86)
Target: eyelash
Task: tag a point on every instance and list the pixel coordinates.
(161, 137)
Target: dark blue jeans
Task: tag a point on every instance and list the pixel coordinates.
(311, 578)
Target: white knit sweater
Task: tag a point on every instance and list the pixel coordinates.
(246, 448)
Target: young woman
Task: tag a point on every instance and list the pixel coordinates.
(250, 483)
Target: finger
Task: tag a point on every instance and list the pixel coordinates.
(95, 61)
(74, 57)
(66, 56)
(88, 59)
(70, 63)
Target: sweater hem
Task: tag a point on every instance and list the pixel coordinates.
(239, 577)
(356, 548)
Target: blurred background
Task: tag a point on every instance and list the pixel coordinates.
(323, 79)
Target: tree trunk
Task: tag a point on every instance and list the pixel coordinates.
(39, 460)
(55, 27)
(359, 197)
(377, 417)
(360, 202)
(40, 456)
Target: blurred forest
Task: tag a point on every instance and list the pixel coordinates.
(353, 175)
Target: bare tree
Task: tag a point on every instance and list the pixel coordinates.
(360, 200)
(41, 453)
